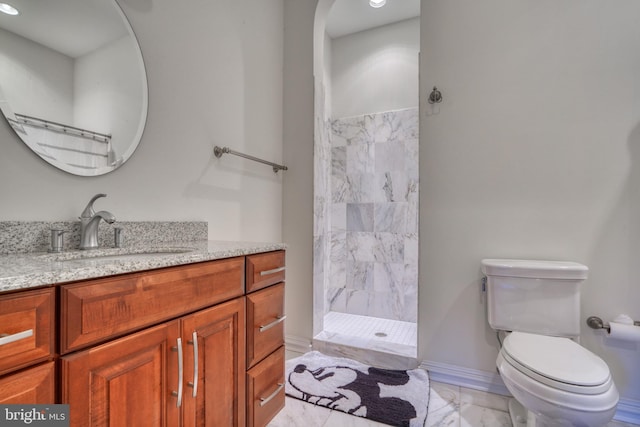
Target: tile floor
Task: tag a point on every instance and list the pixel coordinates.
(449, 406)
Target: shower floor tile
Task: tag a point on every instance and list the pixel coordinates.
(381, 341)
(372, 328)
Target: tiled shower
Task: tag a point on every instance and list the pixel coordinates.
(366, 232)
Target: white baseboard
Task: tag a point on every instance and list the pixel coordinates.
(297, 344)
(628, 409)
(465, 377)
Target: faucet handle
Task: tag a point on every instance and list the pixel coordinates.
(57, 240)
(88, 211)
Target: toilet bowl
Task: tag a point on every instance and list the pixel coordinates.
(554, 380)
(557, 380)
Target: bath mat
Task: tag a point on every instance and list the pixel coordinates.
(393, 397)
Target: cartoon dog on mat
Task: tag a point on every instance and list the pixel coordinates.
(354, 392)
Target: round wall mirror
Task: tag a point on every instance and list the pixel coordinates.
(72, 82)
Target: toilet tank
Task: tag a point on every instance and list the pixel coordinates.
(540, 297)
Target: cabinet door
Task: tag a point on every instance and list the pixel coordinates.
(126, 382)
(215, 389)
(34, 385)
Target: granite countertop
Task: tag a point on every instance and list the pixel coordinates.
(22, 271)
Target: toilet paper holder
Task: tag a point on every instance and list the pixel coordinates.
(594, 322)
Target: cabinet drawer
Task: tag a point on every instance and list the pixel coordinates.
(264, 270)
(265, 322)
(26, 328)
(34, 385)
(265, 389)
(95, 310)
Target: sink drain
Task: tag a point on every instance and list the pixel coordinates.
(380, 334)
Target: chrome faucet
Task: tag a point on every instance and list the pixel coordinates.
(89, 221)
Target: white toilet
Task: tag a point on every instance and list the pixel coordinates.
(555, 381)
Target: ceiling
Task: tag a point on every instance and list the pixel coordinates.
(71, 27)
(351, 16)
(85, 25)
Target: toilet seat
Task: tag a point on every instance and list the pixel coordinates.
(550, 402)
(557, 362)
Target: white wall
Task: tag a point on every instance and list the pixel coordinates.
(375, 70)
(297, 202)
(534, 153)
(215, 78)
(36, 80)
(327, 62)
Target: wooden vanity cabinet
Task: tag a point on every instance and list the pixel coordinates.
(265, 337)
(27, 330)
(183, 346)
(148, 378)
(187, 371)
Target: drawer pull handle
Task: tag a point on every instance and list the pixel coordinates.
(178, 393)
(279, 319)
(194, 384)
(7, 339)
(274, 271)
(265, 400)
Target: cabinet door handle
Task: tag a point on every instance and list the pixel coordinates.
(178, 393)
(265, 400)
(194, 384)
(6, 338)
(279, 319)
(274, 271)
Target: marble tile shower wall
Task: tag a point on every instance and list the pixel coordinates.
(374, 216)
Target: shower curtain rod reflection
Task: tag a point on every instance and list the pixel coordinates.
(219, 151)
(62, 128)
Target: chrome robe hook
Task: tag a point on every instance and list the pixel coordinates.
(435, 97)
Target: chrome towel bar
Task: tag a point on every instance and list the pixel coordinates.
(219, 151)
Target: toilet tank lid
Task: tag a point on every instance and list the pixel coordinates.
(534, 269)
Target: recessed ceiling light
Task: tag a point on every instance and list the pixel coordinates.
(377, 3)
(8, 9)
